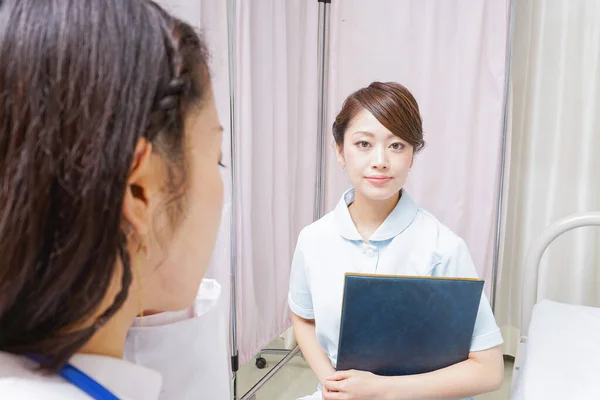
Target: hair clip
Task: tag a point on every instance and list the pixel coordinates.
(175, 87)
(168, 103)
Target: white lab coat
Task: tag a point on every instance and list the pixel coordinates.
(179, 355)
(188, 348)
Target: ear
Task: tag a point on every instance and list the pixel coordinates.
(142, 184)
(339, 153)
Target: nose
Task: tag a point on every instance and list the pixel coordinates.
(380, 160)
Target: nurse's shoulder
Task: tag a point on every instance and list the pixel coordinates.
(21, 379)
(321, 231)
(451, 250)
(430, 230)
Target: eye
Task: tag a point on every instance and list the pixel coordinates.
(363, 144)
(397, 146)
(221, 164)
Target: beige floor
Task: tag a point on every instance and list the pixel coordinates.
(296, 379)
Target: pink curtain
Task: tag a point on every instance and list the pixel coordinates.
(276, 90)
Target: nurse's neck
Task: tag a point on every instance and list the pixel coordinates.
(110, 339)
(368, 214)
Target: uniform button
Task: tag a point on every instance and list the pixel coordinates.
(370, 253)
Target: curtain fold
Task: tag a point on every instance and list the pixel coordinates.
(276, 89)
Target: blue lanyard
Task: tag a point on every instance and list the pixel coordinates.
(83, 381)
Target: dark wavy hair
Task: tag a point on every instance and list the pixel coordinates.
(394, 107)
(80, 83)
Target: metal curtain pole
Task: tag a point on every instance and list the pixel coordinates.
(251, 394)
(231, 36)
(323, 72)
(500, 203)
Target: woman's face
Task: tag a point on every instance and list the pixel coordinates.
(377, 162)
(178, 256)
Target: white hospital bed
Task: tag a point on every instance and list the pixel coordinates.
(559, 351)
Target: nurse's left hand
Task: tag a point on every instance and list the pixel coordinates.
(352, 385)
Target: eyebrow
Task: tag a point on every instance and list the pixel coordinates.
(219, 128)
(370, 134)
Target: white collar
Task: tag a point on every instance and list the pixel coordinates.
(399, 219)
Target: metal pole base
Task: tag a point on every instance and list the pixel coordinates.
(251, 394)
(261, 363)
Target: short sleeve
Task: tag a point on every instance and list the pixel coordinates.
(299, 297)
(486, 333)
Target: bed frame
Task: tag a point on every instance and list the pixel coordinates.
(533, 272)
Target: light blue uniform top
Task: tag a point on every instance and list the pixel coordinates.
(409, 242)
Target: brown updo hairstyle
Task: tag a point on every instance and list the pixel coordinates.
(81, 82)
(394, 107)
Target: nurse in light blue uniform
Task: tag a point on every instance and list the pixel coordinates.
(377, 228)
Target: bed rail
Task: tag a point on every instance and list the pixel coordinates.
(534, 271)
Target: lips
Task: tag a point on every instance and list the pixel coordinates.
(378, 180)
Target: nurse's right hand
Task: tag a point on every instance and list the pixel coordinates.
(353, 385)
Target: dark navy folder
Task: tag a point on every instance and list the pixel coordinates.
(400, 325)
